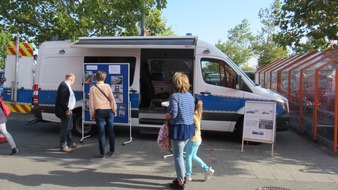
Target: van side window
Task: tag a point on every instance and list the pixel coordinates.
(217, 72)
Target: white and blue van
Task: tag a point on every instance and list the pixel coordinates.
(215, 79)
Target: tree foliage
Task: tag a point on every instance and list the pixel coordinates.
(5, 37)
(300, 20)
(265, 48)
(238, 46)
(41, 20)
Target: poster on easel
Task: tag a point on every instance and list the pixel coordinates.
(259, 123)
(118, 79)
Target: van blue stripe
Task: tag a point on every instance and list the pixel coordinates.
(23, 95)
(226, 104)
(49, 97)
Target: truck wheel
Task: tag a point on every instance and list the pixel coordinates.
(239, 130)
(77, 126)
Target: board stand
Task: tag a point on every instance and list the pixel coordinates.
(83, 136)
(130, 129)
(272, 145)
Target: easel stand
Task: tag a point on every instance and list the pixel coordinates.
(130, 136)
(83, 136)
(130, 129)
(272, 146)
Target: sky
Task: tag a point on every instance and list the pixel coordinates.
(212, 19)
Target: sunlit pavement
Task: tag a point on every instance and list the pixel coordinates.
(297, 164)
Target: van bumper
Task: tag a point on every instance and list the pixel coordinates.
(283, 122)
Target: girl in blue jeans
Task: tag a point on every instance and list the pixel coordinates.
(193, 145)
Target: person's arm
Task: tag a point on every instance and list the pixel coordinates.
(173, 107)
(63, 97)
(112, 100)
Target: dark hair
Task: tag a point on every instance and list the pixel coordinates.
(100, 75)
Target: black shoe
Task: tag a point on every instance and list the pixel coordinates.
(176, 185)
(176, 181)
(14, 151)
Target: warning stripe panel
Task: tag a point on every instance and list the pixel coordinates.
(19, 108)
(25, 49)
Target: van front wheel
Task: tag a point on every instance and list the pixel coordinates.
(77, 126)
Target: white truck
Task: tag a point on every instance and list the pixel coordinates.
(18, 80)
(215, 79)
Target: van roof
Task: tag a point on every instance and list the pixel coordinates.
(181, 42)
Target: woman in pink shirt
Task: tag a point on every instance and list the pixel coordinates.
(102, 108)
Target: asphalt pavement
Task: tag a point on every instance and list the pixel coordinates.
(298, 163)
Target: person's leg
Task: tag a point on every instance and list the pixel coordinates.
(100, 122)
(178, 148)
(7, 135)
(63, 132)
(188, 158)
(111, 133)
(196, 159)
(70, 140)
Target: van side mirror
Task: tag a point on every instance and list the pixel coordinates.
(239, 84)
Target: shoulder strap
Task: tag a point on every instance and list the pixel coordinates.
(102, 92)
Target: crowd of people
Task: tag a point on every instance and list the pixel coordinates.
(184, 120)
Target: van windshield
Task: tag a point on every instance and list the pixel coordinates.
(240, 70)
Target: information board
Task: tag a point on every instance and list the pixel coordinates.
(259, 122)
(118, 79)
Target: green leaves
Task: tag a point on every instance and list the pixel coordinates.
(40, 20)
(238, 46)
(307, 24)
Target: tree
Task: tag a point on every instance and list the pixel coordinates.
(307, 19)
(264, 47)
(5, 37)
(40, 20)
(238, 45)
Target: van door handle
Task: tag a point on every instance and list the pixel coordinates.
(205, 93)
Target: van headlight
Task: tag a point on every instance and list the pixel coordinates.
(283, 104)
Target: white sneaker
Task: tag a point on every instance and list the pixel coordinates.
(208, 174)
(188, 178)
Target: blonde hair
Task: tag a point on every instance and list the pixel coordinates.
(198, 109)
(181, 82)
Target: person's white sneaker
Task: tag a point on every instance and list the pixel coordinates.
(208, 174)
(188, 178)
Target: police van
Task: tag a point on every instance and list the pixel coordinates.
(215, 79)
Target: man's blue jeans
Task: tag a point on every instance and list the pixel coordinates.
(105, 117)
(66, 138)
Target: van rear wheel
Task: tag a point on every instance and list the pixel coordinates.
(77, 126)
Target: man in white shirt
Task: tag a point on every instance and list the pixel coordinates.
(65, 103)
